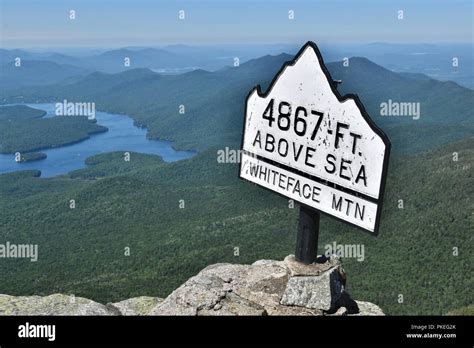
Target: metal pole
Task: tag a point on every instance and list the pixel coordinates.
(307, 238)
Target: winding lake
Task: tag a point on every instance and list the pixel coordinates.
(122, 136)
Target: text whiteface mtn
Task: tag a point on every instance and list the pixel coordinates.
(306, 142)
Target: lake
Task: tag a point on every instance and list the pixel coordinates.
(123, 135)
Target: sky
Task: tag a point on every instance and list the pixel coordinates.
(112, 23)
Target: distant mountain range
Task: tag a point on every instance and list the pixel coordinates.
(435, 61)
(175, 57)
(36, 72)
(154, 99)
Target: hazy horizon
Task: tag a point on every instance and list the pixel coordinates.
(111, 24)
(344, 45)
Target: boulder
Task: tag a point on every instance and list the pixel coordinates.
(265, 287)
(56, 304)
(228, 289)
(318, 292)
(142, 305)
(368, 308)
(318, 286)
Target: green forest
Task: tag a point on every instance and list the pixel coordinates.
(135, 204)
(30, 132)
(144, 226)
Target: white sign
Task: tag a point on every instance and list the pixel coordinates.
(306, 142)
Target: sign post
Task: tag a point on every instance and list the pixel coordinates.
(307, 237)
(305, 141)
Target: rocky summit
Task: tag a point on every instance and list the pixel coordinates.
(265, 287)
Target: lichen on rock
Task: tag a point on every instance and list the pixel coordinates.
(56, 304)
(142, 305)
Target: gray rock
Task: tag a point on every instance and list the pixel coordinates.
(296, 268)
(368, 308)
(201, 292)
(316, 292)
(341, 311)
(257, 289)
(227, 289)
(264, 288)
(142, 305)
(56, 304)
(233, 304)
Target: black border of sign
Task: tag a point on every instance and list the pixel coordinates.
(340, 98)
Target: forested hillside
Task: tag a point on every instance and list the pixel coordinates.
(136, 204)
(143, 227)
(22, 129)
(201, 109)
